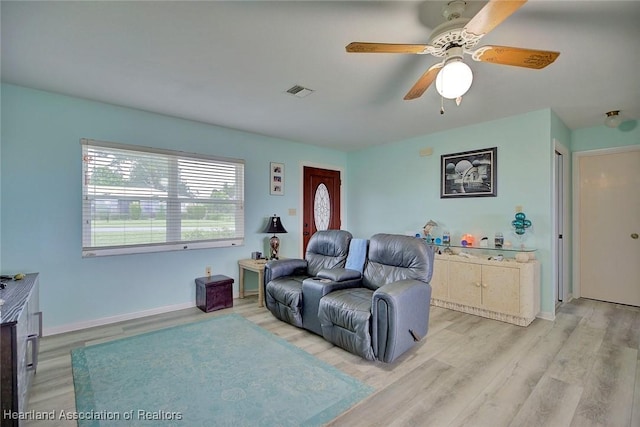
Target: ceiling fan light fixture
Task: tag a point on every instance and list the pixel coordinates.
(454, 80)
(613, 119)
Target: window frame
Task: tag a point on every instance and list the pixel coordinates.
(171, 199)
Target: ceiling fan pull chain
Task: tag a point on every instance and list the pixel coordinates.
(441, 105)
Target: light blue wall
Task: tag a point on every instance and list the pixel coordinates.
(594, 138)
(410, 184)
(41, 203)
(389, 188)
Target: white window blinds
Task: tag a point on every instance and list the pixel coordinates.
(137, 199)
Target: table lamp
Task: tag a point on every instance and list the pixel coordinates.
(274, 226)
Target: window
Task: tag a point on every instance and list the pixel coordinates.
(138, 199)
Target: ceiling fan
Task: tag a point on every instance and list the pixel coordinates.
(456, 37)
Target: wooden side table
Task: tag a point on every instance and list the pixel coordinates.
(256, 265)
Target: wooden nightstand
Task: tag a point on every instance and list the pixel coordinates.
(256, 265)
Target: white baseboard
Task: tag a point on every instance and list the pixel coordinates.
(545, 315)
(114, 319)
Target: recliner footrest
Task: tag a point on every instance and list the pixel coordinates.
(284, 299)
(345, 318)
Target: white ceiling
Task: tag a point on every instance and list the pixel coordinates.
(230, 63)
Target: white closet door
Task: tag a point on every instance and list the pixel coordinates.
(609, 225)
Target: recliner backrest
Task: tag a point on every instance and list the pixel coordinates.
(394, 257)
(327, 249)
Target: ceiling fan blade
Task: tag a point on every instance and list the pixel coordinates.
(516, 56)
(364, 47)
(491, 15)
(423, 82)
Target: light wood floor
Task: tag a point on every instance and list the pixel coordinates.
(581, 370)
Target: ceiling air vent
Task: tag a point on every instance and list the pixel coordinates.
(299, 91)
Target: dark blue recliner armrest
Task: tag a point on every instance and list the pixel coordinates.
(339, 274)
(400, 317)
(283, 267)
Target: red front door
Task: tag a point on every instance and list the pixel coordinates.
(321, 202)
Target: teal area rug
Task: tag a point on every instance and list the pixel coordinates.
(224, 371)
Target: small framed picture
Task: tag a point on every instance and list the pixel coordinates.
(276, 179)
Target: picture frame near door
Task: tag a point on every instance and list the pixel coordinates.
(276, 179)
(469, 174)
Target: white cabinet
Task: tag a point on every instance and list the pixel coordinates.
(440, 280)
(502, 290)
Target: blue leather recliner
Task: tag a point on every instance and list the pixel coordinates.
(378, 313)
(389, 312)
(283, 278)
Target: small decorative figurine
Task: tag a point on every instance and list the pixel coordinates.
(521, 223)
(426, 230)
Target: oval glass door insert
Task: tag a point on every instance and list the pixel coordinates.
(321, 207)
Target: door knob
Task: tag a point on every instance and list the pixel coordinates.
(634, 235)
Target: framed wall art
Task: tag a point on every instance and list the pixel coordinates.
(276, 179)
(469, 174)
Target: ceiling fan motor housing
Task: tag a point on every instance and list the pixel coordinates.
(454, 53)
(450, 34)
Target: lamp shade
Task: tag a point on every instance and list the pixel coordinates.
(454, 80)
(274, 226)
